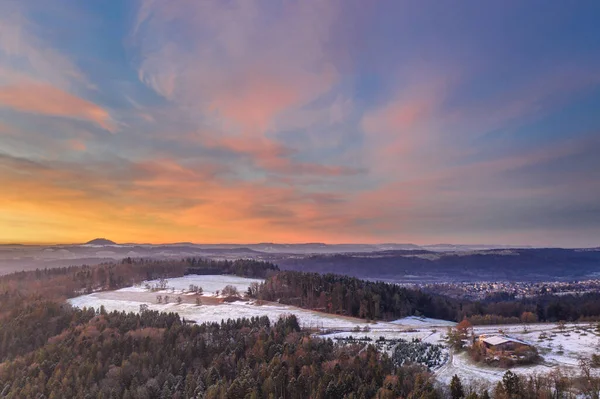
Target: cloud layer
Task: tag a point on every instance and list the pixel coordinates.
(296, 121)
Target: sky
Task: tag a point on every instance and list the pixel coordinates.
(244, 121)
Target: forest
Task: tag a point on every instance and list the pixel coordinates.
(154, 355)
(32, 303)
(373, 300)
(241, 267)
(50, 350)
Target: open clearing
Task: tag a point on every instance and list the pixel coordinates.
(213, 309)
(558, 347)
(209, 283)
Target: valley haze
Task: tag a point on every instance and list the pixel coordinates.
(401, 263)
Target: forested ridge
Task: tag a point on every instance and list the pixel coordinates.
(516, 264)
(32, 303)
(154, 355)
(74, 280)
(373, 300)
(354, 297)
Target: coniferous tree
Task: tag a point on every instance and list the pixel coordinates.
(456, 388)
(512, 384)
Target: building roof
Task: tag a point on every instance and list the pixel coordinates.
(496, 340)
(502, 339)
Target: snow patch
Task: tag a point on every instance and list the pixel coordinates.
(416, 321)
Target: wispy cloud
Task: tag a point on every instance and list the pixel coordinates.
(23, 50)
(45, 99)
(239, 67)
(38, 78)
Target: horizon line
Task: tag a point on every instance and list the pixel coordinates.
(504, 246)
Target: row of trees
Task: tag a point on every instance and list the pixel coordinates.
(554, 385)
(354, 297)
(379, 300)
(239, 267)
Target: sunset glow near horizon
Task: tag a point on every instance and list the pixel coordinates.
(300, 121)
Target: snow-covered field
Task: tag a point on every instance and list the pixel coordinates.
(129, 299)
(415, 321)
(209, 283)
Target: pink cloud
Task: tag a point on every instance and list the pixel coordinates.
(45, 99)
(77, 145)
(260, 147)
(396, 125)
(246, 71)
(254, 104)
(401, 134)
(237, 64)
(273, 157)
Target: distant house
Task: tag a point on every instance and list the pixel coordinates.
(503, 343)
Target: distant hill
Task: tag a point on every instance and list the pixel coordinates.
(100, 241)
(520, 264)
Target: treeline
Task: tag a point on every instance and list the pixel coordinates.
(156, 355)
(385, 301)
(66, 282)
(350, 296)
(543, 308)
(240, 267)
(553, 385)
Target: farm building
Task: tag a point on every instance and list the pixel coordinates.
(503, 343)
